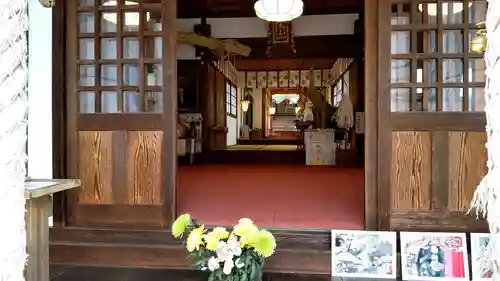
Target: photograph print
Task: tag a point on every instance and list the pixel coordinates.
(481, 264)
(434, 256)
(364, 254)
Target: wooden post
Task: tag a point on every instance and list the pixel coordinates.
(169, 152)
(39, 208)
(37, 233)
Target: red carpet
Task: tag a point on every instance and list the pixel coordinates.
(273, 195)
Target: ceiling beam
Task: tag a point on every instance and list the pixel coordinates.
(310, 47)
(283, 64)
(244, 8)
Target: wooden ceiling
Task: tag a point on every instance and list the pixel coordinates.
(244, 8)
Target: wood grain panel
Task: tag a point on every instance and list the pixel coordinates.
(467, 166)
(95, 167)
(437, 221)
(411, 171)
(121, 216)
(144, 178)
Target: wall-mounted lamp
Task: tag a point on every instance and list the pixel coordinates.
(47, 3)
(245, 104)
(272, 110)
(478, 44)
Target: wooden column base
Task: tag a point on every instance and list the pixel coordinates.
(37, 227)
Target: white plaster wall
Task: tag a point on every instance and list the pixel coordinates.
(232, 130)
(39, 91)
(185, 52)
(255, 27)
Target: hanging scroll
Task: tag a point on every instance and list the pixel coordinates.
(251, 80)
(304, 78)
(272, 79)
(262, 79)
(286, 79)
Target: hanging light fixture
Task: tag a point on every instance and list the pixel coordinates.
(478, 44)
(456, 7)
(297, 110)
(131, 18)
(272, 110)
(279, 10)
(245, 104)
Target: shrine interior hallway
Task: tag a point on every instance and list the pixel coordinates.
(285, 196)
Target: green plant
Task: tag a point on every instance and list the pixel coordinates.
(238, 255)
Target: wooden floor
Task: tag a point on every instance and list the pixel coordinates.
(88, 273)
(266, 147)
(290, 196)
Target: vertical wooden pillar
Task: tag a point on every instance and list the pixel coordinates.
(220, 130)
(384, 115)
(207, 102)
(169, 152)
(37, 230)
(371, 134)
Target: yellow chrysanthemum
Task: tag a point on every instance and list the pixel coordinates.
(263, 242)
(244, 227)
(194, 239)
(215, 236)
(180, 224)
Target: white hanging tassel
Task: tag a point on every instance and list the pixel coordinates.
(345, 113)
(13, 108)
(487, 197)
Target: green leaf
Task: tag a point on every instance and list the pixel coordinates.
(253, 272)
(218, 274)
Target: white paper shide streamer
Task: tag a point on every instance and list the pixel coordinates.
(13, 108)
(345, 113)
(487, 197)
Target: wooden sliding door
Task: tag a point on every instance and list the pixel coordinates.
(121, 112)
(431, 138)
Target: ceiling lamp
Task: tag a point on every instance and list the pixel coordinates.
(456, 7)
(279, 10)
(131, 18)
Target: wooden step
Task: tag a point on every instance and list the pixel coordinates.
(85, 273)
(306, 252)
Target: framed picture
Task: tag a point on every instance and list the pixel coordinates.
(364, 254)
(481, 264)
(434, 256)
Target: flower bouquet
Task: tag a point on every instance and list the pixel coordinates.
(228, 256)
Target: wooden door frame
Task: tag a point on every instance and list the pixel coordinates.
(370, 60)
(378, 191)
(373, 172)
(65, 109)
(377, 113)
(267, 92)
